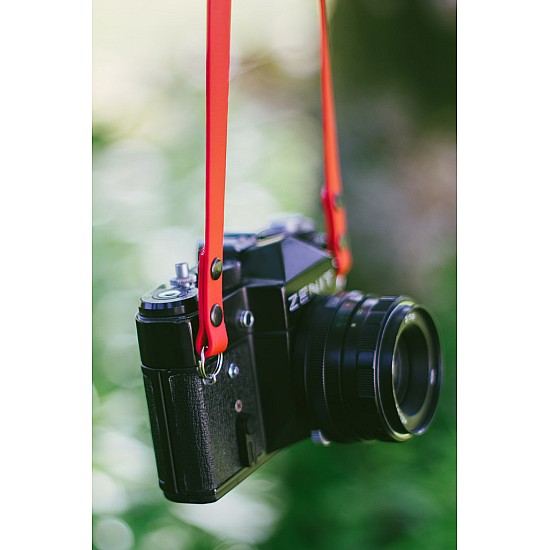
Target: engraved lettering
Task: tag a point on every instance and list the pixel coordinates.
(315, 288)
(306, 293)
(303, 295)
(294, 305)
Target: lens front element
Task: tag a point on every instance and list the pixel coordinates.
(409, 382)
(411, 372)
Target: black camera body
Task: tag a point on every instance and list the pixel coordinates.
(304, 358)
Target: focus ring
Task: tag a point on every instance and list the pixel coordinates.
(323, 358)
(321, 316)
(359, 370)
(369, 333)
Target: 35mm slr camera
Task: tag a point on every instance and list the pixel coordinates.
(304, 359)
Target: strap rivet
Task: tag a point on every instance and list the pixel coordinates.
(216, 269)
(216, 315)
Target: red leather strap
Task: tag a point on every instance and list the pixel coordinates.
(210, 337)
(331, 194)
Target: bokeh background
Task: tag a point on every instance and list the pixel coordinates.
(394, 64)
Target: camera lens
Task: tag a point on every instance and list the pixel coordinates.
(368, 367)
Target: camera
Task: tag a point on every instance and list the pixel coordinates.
(305, 359)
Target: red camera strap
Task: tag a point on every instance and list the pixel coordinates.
(332, 193)
(212, 335)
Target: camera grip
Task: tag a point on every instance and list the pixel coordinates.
(181, 437)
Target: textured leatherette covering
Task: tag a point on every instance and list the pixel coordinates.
(194, 425)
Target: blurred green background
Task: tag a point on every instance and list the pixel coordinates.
(394, 64)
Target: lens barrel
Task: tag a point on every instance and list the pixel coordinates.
(368, 367)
